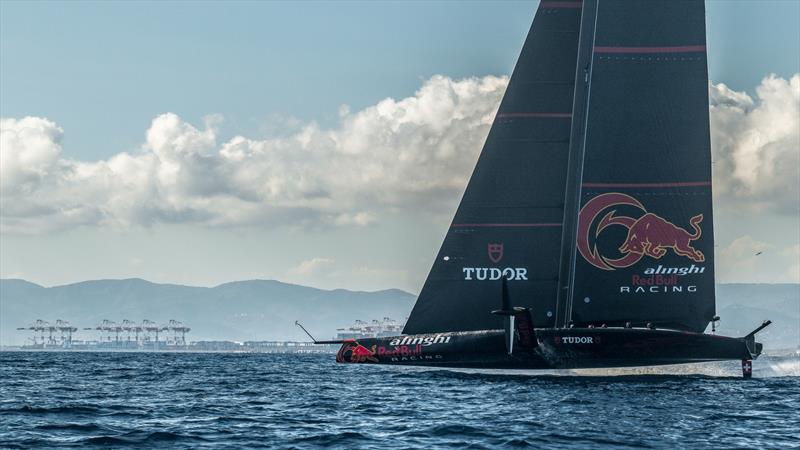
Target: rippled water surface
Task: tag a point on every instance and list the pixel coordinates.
(301, 401)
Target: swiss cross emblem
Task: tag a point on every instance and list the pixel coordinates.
(495, 252)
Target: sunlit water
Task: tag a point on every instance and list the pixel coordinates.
(305, 401)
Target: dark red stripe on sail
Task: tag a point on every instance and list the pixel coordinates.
(647, 185)
(674, 49)
(572, 5)
(542, 115)
(505, 225)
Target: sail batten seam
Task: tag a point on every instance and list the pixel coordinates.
(669, 49)
(647, 185)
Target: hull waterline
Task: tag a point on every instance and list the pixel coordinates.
(573, 348)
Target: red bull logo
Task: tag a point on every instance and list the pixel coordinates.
(649, 235)
(353, 352)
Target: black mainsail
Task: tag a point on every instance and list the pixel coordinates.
(592, 198)
(510, 217)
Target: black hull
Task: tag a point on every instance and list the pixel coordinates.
(574, 348)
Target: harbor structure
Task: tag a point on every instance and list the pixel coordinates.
(375, 328)
(125, 335)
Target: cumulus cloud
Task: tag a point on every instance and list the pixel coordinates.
(311, 267)
(410, 154)
(31, 149)
(415, 152)
(756, 145)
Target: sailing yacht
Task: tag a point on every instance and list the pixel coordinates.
(585, 236)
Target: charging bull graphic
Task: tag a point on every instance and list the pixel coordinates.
(356, 353)
(649, 235)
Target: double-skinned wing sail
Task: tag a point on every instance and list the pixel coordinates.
(509, 222)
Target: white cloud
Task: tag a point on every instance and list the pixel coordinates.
(311, 268)
(31, 147)
(756, 145)
(412, 154)
(360, 219)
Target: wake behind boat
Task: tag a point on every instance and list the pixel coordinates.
(588, 218)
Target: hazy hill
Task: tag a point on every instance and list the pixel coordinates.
(743, 306)
(267, 309)
(243, 310)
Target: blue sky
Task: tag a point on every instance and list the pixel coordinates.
(117, 65)
(104, 71)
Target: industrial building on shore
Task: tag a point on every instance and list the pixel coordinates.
(148, 335)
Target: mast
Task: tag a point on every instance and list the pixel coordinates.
(583, 77)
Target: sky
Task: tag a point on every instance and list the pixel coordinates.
(203, 142)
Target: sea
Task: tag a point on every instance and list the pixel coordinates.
(229, 400)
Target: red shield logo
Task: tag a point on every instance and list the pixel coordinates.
(495, 252)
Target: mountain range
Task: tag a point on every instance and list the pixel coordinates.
(238, 311)
(267, 309)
